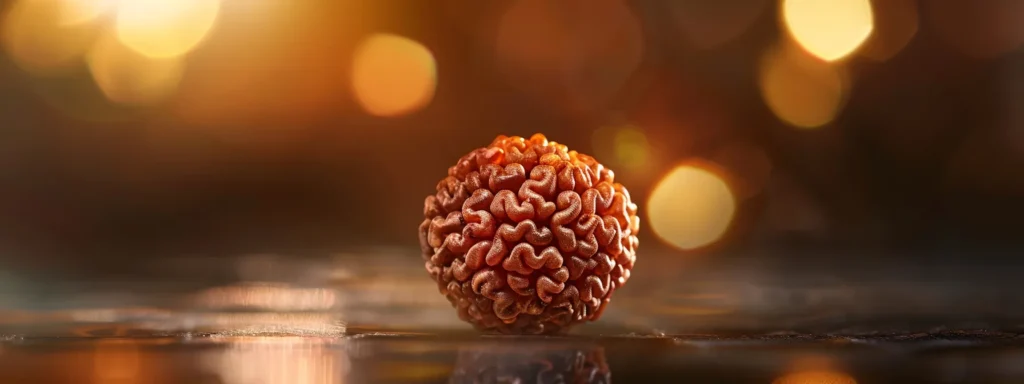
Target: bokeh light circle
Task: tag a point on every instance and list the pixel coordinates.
(801, 90)
(393, 75)
(74, 12)
(691, 207)
(37, 40)
(165, 28)
(828, 29)
(625, 146)
(129, 78)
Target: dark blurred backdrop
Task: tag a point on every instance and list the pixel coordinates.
(907, 150)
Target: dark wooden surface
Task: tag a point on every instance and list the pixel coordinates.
(376, 317)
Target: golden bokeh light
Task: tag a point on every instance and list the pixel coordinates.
(801, 90)
(165, 28)
(626, 146)
(896, 23)
(82, 11)
(691, 207)
(393, 75)
(129, 78)
(300, 53)
(279, 360)
(828, 29)
(38, 42)
(631, 147)
(268, 296)
(815, 377)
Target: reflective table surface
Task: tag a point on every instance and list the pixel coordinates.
(115, 354)
(378, 319)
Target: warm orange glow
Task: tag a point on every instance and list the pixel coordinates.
(691, 207)
(815, 377)
(624, 146)
(38, 42)
(229, 323)
(393, 75)
(414, 372)
(631, 147)
(299, 51)
(126, 77)
(115, 361)
(829, 29)
(895, 26)
(272, 297)
(279, 360)
(165, 28)
(799, 89)
(82, 11)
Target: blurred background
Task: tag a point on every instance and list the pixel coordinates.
(217, 191)
(807, 143)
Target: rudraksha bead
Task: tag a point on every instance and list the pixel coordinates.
(525, 236)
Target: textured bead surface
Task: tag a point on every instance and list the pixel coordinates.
(527, 237)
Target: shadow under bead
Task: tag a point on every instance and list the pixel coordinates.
(525, 236)
(539, 363)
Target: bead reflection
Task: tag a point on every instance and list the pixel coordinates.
(531, 364)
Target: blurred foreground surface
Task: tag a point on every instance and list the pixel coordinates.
(378, 318)
(117, 354)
